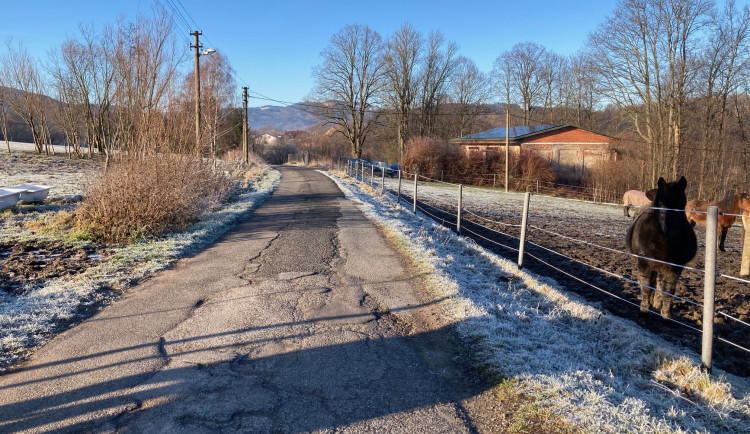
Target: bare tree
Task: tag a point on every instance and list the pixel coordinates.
(723, 64)
(99, 49)
(501, 77)
(217, 96)
(519, 74)
(145, 60)
(643, 64)
(20, 72)
(4, 118)
(552, 68)
(579, 89)
(402, 52)
(66, 110)
(349, 81)
(436, 72)
(470, 89)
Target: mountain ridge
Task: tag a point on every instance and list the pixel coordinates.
(292, 117)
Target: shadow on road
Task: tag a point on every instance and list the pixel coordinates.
(304, 390)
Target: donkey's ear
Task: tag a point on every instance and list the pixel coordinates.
(682, 183)
(662, 183)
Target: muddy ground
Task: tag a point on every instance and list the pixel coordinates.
(26, 266)
(589, 226)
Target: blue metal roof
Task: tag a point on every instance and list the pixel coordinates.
(514, 133)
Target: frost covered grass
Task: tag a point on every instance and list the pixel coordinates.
(599, 372)
(30, 319)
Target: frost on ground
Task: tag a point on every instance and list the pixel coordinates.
(29, 320)
(598, 371)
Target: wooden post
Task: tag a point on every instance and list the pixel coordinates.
(245, 150)
(494, 179)
(524, 219)
(398, 197)
(507, 144)
(415, 193)
(460, 205)
(745, 267)
(382, 180)
(197, 76)
(709, 285)
(372, 174)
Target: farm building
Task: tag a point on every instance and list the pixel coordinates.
(570, 148)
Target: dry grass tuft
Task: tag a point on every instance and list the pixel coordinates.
(524, 413)
(141, 198)
(682, 376)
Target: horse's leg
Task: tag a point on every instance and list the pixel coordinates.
(645, 277)
(657, 295)
(667, 284)
(625, 210)
(723, 237)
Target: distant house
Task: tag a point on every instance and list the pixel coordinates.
(570, 148)
(266, 139)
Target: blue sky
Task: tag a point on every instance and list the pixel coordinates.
(274, 44)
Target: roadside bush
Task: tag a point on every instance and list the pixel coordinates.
(530, 167)
(140, 198)
(438, 159)
(612, 179)
(429, 155)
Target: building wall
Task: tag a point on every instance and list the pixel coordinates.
(488, 148)
(572, 151)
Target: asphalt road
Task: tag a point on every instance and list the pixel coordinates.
(301, 319)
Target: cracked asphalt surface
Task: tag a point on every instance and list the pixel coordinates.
(301, 319)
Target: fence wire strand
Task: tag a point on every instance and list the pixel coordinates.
(607, 292)
(442, 220)
(615, 274)
(490, 220)
(552, 233)
(615, 250)
(489, 240)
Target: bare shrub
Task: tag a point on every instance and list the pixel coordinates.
(469, 169)
(430, 156)
(530, 167)
(136, 199)
(611, 179)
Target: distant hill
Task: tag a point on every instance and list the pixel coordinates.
(293, 117)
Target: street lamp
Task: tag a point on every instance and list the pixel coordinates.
(197, 47)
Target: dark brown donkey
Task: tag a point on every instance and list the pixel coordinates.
(662, 233)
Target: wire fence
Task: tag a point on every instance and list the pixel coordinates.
(432, 197)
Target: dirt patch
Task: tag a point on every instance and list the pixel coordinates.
(25, 266)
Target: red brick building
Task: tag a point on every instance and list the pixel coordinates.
(570, 148)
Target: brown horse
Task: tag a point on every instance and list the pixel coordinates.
(695, 211)
(637, 198)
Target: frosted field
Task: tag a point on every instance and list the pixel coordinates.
(589, 233)
(600, 372)
(30, 319)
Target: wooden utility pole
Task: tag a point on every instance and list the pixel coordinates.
(197, 74)
(507, 145)
(244, 125)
